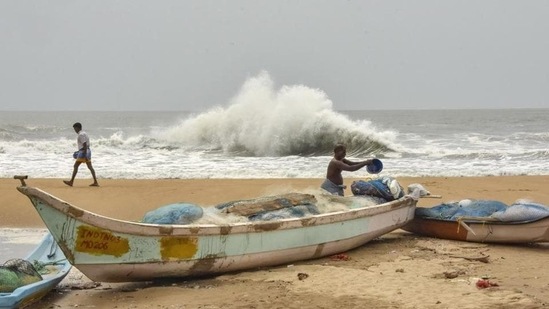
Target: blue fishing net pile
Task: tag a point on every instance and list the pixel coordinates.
(386, 188)
(187, 213)
(298, 211)
(178, 213)
(519, 211)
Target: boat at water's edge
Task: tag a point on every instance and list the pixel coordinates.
(111, 250)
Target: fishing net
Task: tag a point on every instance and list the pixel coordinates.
(519, 211)
(263, 208)
(276, 207)
(16, 273)
(298, 211)
(386, 188)
(522, 211)
(267, 203)
(179, 213)
(283, 206)
(463, 208)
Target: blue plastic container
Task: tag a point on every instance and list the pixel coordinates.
(375, 167)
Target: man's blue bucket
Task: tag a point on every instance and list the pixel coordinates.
(375, 167)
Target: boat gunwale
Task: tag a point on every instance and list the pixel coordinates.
(147, 229)
(471, 220)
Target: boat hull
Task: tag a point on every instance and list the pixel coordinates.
(46, 252)
(217, 264)
(111, 250)
(482, 231)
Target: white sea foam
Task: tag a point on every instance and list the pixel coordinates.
(263, 121)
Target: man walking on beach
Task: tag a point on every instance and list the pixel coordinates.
(334, 180)
(83, 155)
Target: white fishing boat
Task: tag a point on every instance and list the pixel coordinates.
(112, 250)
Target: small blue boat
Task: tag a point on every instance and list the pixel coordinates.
(46, 253)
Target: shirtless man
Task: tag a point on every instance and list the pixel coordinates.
(334, 180)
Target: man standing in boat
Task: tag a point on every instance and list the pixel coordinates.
(334, 180)
(83, 155)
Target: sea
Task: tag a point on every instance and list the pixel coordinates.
(276, 138)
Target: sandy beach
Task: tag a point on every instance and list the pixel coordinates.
(398, 270)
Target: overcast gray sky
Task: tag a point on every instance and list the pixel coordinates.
(195, 54)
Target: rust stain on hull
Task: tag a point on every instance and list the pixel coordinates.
(267, 226)
(225, 230)
(318, 251)
(74, 212)
(204, 265)
(165, 230)
(308, 222)
(194, 230)
(66, 251)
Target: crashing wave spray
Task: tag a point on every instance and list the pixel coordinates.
(263, 121)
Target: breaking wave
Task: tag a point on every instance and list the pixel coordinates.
(292, 120)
